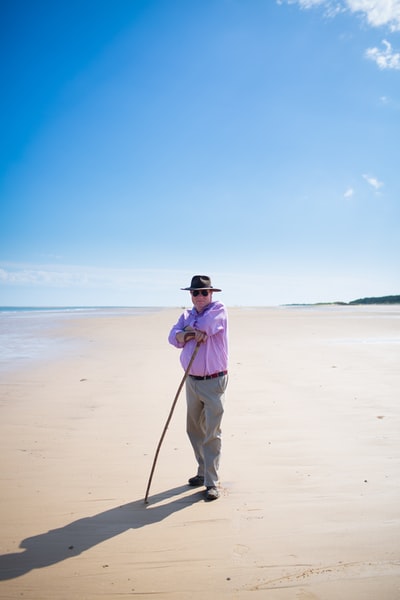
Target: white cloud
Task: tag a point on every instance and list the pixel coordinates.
(385, 59)
(75, 276)
(377, 13)
(349, 193)
(331, 7)
(43, 276)
(373, 181)
(308, 3)
(82, 285)
(388, 102)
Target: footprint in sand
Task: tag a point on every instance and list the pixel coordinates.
(304, 595)
(239, 550)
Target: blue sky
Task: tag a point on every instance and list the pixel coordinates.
(144, 141)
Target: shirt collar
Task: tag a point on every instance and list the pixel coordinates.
(197, 314)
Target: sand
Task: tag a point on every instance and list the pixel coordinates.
(310, 489)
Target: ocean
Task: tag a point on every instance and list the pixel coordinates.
(25, 332)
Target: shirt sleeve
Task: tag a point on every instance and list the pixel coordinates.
(179, 326)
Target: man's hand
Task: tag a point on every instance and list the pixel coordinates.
(189, 334)
(200, 336)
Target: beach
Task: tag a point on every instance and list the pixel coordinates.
(309, 478)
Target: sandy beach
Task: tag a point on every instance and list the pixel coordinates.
(310, 488)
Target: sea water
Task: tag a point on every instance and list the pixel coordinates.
(26, 332)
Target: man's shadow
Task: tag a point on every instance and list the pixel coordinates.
(74, 538)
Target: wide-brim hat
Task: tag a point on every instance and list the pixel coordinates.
(201, 282)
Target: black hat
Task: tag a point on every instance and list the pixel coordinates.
(201, 282)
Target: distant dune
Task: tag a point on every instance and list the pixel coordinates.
(380, 300)
(373, 300)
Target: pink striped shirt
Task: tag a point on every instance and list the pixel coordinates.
(212, 356)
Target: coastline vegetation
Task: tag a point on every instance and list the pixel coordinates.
(380, 300)
(372, 300)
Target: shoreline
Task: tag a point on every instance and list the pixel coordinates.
(31, 335)
(309, 472)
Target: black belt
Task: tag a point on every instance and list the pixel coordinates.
(213, 376)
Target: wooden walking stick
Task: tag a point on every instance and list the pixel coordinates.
(169, 419)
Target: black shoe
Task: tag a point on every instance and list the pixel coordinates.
(212, 493)
(196, 481)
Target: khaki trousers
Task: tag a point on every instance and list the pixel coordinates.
(205, 408)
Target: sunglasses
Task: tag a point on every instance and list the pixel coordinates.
(202, 292)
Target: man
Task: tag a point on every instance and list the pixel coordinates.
(206, 383)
